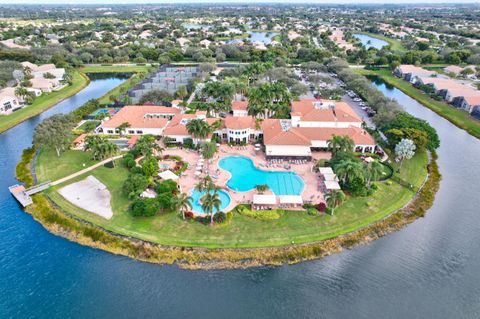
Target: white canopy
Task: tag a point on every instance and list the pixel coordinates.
(168, 174)
(332, 185)
(369, 159)
(291, 199)
(325, 170)
(264, 199)
(330, 177)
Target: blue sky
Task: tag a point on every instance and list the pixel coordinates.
(230, 1)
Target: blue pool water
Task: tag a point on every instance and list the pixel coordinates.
(245, 176)
(197, 206)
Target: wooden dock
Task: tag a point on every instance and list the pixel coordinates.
(22, 195)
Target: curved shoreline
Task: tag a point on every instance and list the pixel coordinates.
(85, 233)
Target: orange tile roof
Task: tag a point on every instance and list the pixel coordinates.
(239, 122)
(136, 116)
(473, 100)
(239, 105)
(80, 139)
(273, 134)
(341, 112)
(463, 92)
(133, 140)
(409, 68)
(358, 135)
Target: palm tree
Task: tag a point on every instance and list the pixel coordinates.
(205, 184)
(208, 150)
(334, 198)
(210, 202)
(262, 188)
(101, 147)
(182, 202)
(348, 170)
(122, 127)
(199, 129)
(339, 143)
(374, 169)
(24, 94)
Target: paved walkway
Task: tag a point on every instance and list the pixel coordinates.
(83, 171)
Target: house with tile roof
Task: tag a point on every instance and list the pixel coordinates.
(412, 73)
(9, 102)
(323, 113)
(143, 119)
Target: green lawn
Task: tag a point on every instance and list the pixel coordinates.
(115, 69)
(44, 102)
(394, 44)
(50, 167)
(458, 117)
(243, 231)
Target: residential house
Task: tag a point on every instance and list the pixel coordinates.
(45, 85)
(281, 139)
(411, 73)
(240, 108)
(144, 119)
(323, 113)
(471, 104)
(9, 102)
(39, 71)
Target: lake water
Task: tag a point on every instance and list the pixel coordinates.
(430, 269)
(264, 37)
(370, 42)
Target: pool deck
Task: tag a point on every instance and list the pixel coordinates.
(188, 180)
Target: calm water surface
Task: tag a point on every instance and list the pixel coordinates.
(370, 42)
(431, 269)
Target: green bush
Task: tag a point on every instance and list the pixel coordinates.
(259, 214)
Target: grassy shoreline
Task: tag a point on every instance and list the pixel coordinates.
(242, 232)
(394, 44)
(457, 117)
(105, 99)
(84, 233)
(44, 102)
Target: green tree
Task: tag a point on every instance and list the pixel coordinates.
(334, 198)
(405, 149)
(150, 166)
(261, 188)
(340, 143)
(210, 203)
(54, 132)
(199, 129)
(374, 169)
(182, 202)
(122, 128)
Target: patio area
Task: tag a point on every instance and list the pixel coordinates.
(188, 180)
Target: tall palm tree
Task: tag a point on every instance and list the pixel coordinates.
(122, 127)
(182, 202)
(208, 150)
(199, 129)
(339, 143)
(348, 170)
(334, 198)
(374, 169)
(24, 94)
(210, 202)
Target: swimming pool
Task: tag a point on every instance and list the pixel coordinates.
(197, 206)
(245, 176)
